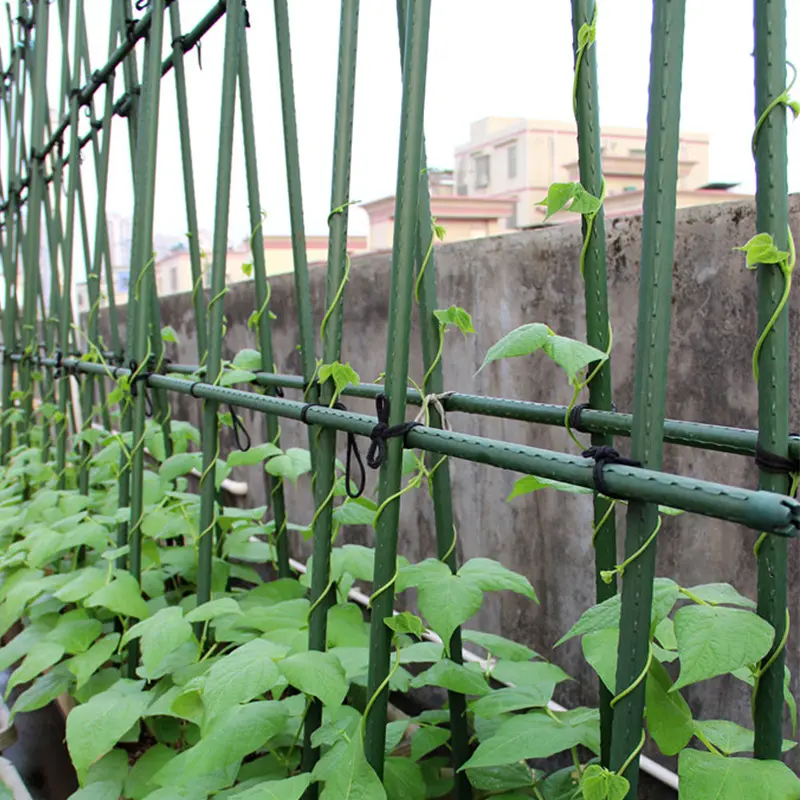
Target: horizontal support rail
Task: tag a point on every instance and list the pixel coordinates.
(759, 510)
(719, 438)
(100, 76)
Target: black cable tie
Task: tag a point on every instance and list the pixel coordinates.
(383, 431)
(246, 14)
(278, 391)
(575, 418)
(141, 5)
(602, 456)
(192, 387)
(353, 453)
(142, 375)
(59, 365)
(199, 46)
(773, 463)
(239, 430)
(130, 30)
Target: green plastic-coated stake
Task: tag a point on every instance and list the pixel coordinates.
(36, 190)
(198, 296)
(440, 484)
(263, 325)
(234, 26)
(590, 165)
(650, 379)
(325, 474)
(415, 59)
(67, 253)
(140, 305)
(300, 257)
(772, 216)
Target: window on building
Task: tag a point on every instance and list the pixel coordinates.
(512, 222)
(482, 171)
(511, 155)
(173, 279)
(81, 300)
(123, 279)
(461, 178)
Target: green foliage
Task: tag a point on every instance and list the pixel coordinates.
(761, 249)
(455, 316)
(580, 201)
(342, 375)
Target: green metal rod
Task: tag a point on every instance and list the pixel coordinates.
(598, 331)
(338, 261)
(141, 262)
(772, 216)
(717, 438)
(198, 296)
(397, 351)
(234, 28)
(67, 253)
(302, 285)
(650, 380)
(446, 549)
(758, 510)
(10, 262)
(36, 193)
(263, 326)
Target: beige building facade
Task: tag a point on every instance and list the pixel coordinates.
(174, 270)
(517, 159)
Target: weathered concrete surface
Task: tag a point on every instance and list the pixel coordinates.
(533, 276)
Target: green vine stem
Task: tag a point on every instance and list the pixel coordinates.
(786, 266)
(782, 99)
(608, 574)
(587, 33)
(633, 755)
(625, 692)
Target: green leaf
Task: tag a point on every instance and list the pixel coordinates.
(236, 733)
(499, 646)
(255, 455)
(405, 622)
(95, 727)
(665, 634)
(403, 780)
(246, 673)
(318, 674)
(721, 594)
(285, 789)
(290, 466)
(521, 341)
(113, 766)
(513, 698)
(713, 640)
(342, 375)
(533, 735)
(75, 632)
(138, 783)
(213, 609)
(704, 775)
(247, 359)
(600, 651)
(121, 596)
(502, 779)
(356, 511)
(161, 635)
(168, 334)
(180, 464)
(233, 376)
(584, 202)
(455, 316)
(354, 778)
(558, 195)
(606, 614)
(454, 677)
(39, 658)
(421, 653)
(598, 783)
(104, 790)
(761, 249)
(530, 483)
(571, 355)
(86, 664)
(43, 691)
(669, 718)
(395, 731)
(527, 673)
(86, 581)
(491, 576)
(731, 738)
(247, 268)
(448, 602)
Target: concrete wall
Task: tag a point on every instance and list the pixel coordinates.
(533, 276)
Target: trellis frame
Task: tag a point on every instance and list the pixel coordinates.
(31, 193)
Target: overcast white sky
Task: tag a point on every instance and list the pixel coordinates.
(506, 58)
